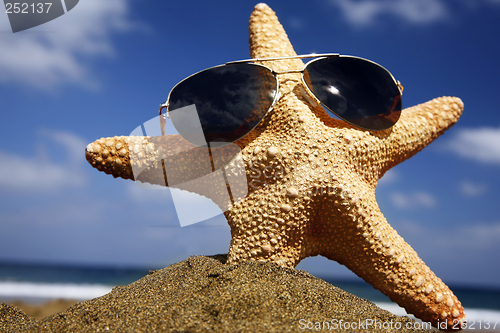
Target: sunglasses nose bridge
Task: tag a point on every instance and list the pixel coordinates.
(302, 87)
(281, 81)
(289, 71)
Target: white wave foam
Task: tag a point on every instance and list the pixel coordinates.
(475, 317)
(21, 290)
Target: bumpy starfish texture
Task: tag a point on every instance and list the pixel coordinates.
(311, 184)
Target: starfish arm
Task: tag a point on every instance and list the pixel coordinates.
(381, 257)
(112, 155)
(157, 159)
(363, 241)
(268, 38)
(417, 127)
(153, 159)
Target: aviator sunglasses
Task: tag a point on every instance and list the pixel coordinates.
(231, 99)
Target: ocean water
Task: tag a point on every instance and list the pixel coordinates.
(40, 283)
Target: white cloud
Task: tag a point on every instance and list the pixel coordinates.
(366, 12)
(39, 173)
(75, 145)
(51, 54)
(472, 189)
(389, 177)
(472, 240)
(480, 144)
(479, 236)
(446, 247)
(414, 200)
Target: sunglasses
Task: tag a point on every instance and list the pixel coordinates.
(226, 102)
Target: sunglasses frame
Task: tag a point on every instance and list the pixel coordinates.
(277, 94)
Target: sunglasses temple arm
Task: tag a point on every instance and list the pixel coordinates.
(163, 121)
(400, 87)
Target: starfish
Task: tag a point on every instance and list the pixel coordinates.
(311, 184)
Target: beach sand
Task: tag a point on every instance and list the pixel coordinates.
(202, 294)
(42, 310)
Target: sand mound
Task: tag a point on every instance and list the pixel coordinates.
(202, 294)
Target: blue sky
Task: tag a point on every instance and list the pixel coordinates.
(102, 70)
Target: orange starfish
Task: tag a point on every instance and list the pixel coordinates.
(311, 184)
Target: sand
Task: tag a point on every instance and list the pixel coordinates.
(202, 294)
(42, 310)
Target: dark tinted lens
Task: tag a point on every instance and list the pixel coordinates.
(230, 101)
(356, 90)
